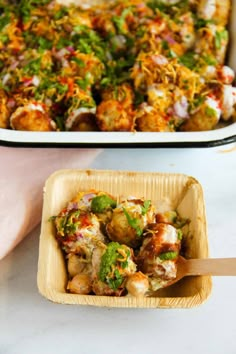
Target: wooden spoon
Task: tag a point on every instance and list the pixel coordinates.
(207, 266)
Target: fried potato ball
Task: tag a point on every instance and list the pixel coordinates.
(128, 222)
(77, 264)
(212, 40)
(137, 284)
(148, 119)
(78, 232)
(87, 65)
(4, 111)
(31, 117)
(205, 118)
(111, 266)
(216, 10)
(101, 288)
(122, 93)
(113, 116)
(80, 284)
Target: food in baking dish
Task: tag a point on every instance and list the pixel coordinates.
(121, 66)
(116, 248)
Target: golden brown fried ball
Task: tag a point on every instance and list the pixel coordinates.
(216, 10)
(77, 264)
(137, 284)
(149, 119)
(113, 116)
(205, 118)
(122, 93)
(212, 40)
(128, 222)
(80, 284)
(31, 117)
(4, 111)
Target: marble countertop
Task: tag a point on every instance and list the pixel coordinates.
(30, 324)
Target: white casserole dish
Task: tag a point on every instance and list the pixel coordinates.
(220, 136)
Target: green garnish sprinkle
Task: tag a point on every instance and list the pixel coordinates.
(133, 222)
(166, 256)
(101, 203)
(110, 259)
(145, 207)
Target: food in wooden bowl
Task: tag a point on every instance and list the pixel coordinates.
(102, 247)
(106, 242)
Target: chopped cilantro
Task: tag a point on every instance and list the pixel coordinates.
(84, 83)
(4, 20)
(179, 234)
(145, 207)
(210, 60)
(61, 13)
(78, 61)
(64, 42)
(165, 45)
(188, 59)
(138, 98)
(3, 38)
(220, 37)
(133, 222)
(120, 22)
(67, 224)
(60, 123)
(44, 43)
(198, 101)
(33, 67)
(166, 256)
(201, 22)
(140, 32)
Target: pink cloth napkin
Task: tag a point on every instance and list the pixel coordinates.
(23, 172)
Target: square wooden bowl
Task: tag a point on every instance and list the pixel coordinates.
(183, 193)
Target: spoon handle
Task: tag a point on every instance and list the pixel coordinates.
(211, 266)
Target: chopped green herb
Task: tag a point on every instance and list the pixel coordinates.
(64, 42)
(60, 123)
(133, 222)
(220, 37)
(201, 22)
(33, 67)
(61, 13)
(188, 59)
(44, 43)
(84, 83)
(179, 234)
(119, 21)
(165, 45)
(145, 207)
(138, 98)
(4, 20)
(210, 60)
(3, 38)
(166, 256)
(78, 61)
